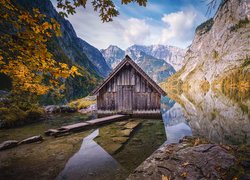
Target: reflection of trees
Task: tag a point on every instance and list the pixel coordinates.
(216, 116)
(236, 85)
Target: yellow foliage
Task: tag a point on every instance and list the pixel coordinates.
(81, 103)
(197, 142)
(184, 174)
(163, 177)
(24, 56)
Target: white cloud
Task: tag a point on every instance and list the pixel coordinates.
(180, 26)
(173, 29)
(122, 32)
(136, 31)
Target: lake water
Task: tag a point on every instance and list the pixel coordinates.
(95, 155)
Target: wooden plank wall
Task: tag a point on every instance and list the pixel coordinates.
(116, 92)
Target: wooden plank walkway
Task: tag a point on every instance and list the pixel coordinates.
(86, 124)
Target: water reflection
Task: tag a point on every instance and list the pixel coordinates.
(90, 162)
(217, 117)
(175, 123)
(112, 153)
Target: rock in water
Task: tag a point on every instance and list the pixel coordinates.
(8, 144)
(32, 139)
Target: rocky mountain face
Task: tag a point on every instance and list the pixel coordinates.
(95, 56)
(172, 55)
(157, 69)
(113, 55)
(72, 50)
(220, 53)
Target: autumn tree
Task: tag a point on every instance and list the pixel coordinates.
(106, 8)
(24, 56)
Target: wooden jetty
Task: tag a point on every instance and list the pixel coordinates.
(84, 125)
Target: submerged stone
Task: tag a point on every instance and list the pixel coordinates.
(113, 148)
(132, 124)
(8, 144)
(122, 123)
(121, 140)
(126, 132)
(32, 139)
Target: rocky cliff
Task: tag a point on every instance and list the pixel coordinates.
(171, 54)
(113, 55)
(157, 69)
(220, 52)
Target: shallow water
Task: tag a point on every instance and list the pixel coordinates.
(212, 115)
(52, 121)
(94, 154)
(96, 159)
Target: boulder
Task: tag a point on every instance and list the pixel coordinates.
(3, 93)
(8, 144)
(186, 160)
(59, 109)
(51, 132)
(67, 109)
(5, 100)
(52, 109)
(89, 109)
(31, 139)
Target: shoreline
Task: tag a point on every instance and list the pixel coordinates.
(194, 158)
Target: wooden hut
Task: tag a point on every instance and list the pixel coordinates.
(128, 90)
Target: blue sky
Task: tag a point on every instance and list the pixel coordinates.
(168, 22)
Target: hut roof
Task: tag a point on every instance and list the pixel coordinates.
(126, 60)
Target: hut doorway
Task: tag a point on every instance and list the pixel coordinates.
(125, 99)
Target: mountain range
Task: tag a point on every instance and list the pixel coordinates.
(158, 61)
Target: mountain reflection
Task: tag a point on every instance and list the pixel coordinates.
(215, 116)
(90, 162)
(175, 123)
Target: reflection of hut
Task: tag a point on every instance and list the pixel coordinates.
(128, 90)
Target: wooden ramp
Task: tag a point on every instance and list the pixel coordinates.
(86, 124)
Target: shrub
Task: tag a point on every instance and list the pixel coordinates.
(205, 27)
(13, 115)
(241, 24)
(35, 112)
(215, 54)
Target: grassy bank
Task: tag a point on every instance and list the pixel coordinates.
(82, 103)
(13, 115)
